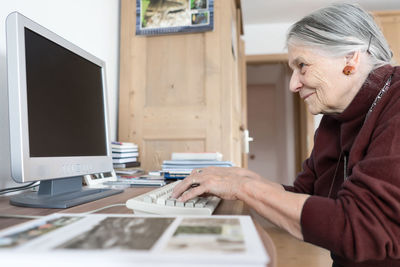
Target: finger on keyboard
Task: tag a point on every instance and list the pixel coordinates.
(160, 201)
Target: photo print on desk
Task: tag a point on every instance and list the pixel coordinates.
(39, 229)
(156, 17)
(208, 235)
(128, 233)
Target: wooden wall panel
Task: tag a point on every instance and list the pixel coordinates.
(175, 70)
(243, 99)
(180, 92)
(389, 22)
(157, 150)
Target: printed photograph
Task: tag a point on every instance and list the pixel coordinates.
(219, 235)
(125, 233)
(164, 13)
(20, 238)
(200, 18)
(198, 4)
(156, 17)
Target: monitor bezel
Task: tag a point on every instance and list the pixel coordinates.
(23, 167)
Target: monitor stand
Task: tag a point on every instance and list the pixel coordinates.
(60, 194)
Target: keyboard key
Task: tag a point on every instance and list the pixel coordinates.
(148, 199)
(171, 202)
(179, 203)
(161, 201)
(190, 203)
(201, 203)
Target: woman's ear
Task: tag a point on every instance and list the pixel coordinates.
(352, 63)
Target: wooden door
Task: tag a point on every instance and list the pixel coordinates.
(389, 22)
(180, 92)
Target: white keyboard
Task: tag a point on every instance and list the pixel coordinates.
(159, 201)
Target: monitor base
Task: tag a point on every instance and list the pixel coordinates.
(61, 194)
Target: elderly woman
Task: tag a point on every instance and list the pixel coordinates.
(347, 198)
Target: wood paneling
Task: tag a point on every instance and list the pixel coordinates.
(158, 150)
(175, 71)
(389, 22)
(243, 85)
(264, 59)
(182, 92)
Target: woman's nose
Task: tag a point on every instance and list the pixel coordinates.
(295, 83)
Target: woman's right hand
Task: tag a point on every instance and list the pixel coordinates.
(224, 182)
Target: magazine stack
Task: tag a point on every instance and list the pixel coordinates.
(125, 155)
(182, 164)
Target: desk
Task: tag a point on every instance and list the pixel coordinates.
(226, 207)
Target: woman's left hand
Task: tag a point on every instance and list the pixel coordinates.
(223, 182)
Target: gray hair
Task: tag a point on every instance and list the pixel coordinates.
(341, 29)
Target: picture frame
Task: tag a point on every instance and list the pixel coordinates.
(157, 17)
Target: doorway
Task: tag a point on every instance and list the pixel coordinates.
(278, 121)
(271, 122)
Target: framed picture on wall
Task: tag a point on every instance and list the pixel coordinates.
(155, 17)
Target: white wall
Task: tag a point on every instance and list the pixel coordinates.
(265, 38)
(93, 25)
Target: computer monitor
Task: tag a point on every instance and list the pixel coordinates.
(57, 116)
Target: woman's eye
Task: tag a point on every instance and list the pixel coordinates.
(302, 68)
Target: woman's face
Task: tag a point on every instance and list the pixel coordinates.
(319, 80)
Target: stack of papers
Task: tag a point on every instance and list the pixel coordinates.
(182, 164)
(129, 172)
(196, 156)
(142, 180)
(128, 240)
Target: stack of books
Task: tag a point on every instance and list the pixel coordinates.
(182, 164)
(125, 155)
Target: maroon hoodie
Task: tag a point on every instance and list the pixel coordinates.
(357, 218)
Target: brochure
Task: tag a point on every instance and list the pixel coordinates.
(126, 240)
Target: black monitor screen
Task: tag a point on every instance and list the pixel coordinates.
(65, 101)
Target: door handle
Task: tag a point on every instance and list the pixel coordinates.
(246, 140)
